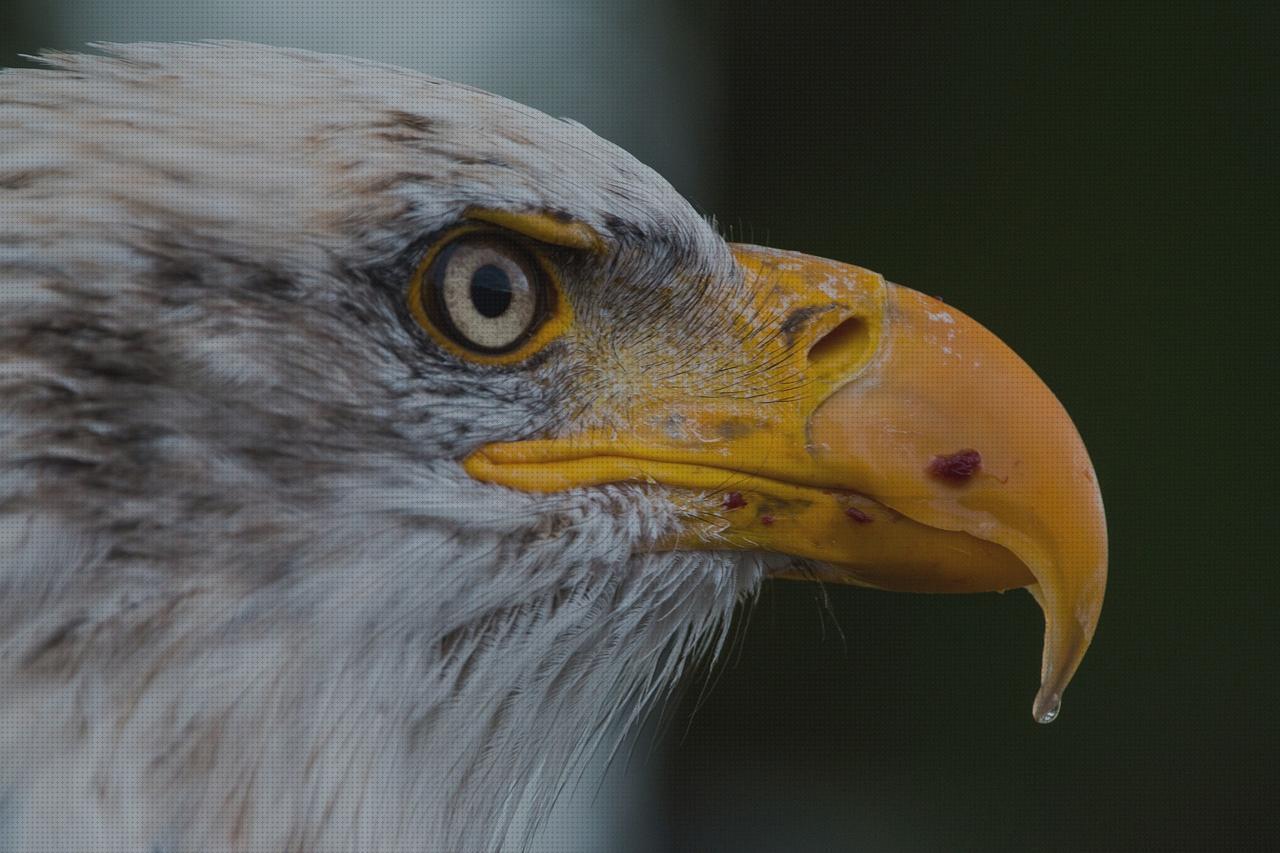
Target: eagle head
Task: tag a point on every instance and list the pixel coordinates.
(373, 449)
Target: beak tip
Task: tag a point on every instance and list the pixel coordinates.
(1047, 705)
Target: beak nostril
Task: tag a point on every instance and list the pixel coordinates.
(838, 345)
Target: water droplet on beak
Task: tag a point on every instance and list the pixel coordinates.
(1047, 707)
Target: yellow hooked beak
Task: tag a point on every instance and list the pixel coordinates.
(901, 446)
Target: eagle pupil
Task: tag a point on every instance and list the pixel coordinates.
(490, 290)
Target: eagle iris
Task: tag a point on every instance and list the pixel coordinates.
(485, 293)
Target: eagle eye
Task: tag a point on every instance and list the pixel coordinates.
(483, 294)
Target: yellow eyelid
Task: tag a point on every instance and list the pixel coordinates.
(553, 326)
(541, 225)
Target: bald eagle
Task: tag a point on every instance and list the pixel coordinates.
(373, 449)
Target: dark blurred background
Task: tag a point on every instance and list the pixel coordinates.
(1095, 182)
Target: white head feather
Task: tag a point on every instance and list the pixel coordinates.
(248, 598)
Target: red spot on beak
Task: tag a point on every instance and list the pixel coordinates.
(858, 515)
(734, 500)
(959, 467)
(766, 520)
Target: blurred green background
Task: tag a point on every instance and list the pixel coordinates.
(1097, 183)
